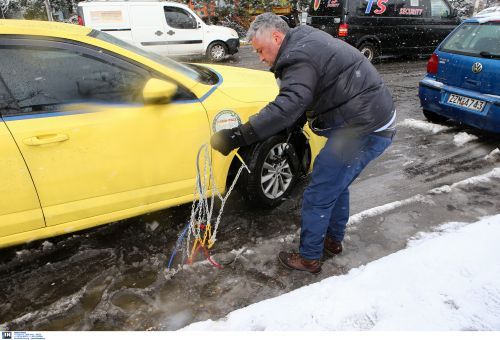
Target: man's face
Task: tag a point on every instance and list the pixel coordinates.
(267, 45)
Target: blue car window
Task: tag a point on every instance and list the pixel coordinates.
(43, 79)
(475, 40)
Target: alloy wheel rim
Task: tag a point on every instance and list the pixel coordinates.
(218, 52)
(367, 53)
(276, 174)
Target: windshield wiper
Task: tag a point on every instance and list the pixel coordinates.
(489, 55)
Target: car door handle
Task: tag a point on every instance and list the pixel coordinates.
(170, 32)
(47, 139)
(158, 33)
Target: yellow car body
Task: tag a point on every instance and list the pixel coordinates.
(75, 166)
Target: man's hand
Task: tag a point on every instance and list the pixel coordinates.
(226, 140)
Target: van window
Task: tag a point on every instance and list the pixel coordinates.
(326, 7)
(179, 18)
(391, 8)
(439, 9)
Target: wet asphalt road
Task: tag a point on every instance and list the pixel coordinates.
(114, 278)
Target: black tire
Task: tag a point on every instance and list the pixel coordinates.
(217, 51)
(434, 118)
(266, 187)
(369, 50)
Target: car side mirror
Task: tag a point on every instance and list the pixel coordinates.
(157, 92)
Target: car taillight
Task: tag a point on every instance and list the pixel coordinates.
(432, 64)
(343, 30)
(80, 21)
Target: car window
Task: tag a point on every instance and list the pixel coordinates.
(439, 9)
(42, 79)
(7, 103)
(179, 18)
(475, 40)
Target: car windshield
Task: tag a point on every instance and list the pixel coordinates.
(479, 40)
(195, 72)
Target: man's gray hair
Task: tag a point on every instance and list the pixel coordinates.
(266, 22)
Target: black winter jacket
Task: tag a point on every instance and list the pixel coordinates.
(331, 80)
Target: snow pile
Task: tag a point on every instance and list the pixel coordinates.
(463, 138)
(446, 282)
(357, 218)
(481, 179)
(424, 126)
(493, 155)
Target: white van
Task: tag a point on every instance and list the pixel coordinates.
(167, 28)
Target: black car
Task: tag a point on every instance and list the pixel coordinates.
(385, 27)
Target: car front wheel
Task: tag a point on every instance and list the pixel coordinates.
(274, 167)
(217, 51)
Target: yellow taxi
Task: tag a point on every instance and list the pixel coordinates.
(94, 130)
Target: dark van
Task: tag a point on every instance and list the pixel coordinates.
(385, 27)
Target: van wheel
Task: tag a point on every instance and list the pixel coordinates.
(369, 50)
(274, 167)
(434, 118)
(217, 51)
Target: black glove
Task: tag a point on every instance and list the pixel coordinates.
(228, 139)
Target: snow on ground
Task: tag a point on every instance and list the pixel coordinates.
(447, 280)
(485, 178)
(462, 138)
(357, 218)
(493, 155)
(424, 126)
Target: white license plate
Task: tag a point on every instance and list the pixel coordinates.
(473, 104)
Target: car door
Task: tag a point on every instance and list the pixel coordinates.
(148, 27)
(379, 18)
(439, 23)
(90, 144)
(20, 209)
(186, 35)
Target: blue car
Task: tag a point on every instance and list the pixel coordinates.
(463, 76)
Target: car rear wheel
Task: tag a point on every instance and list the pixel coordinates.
(434, 118)
(369, 50)
(217, 51)
(274, 167)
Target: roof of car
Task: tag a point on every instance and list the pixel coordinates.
(46, 28)
(490, 10)
(125, 2)
(485, 18)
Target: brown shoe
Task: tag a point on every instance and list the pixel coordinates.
(332, 247)
(297, 262)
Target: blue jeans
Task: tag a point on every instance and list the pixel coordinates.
(325, 206)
